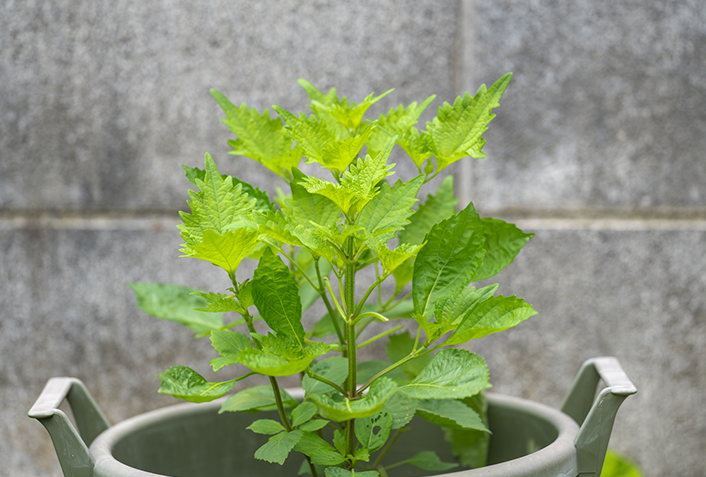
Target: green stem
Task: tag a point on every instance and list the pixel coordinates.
(392, 367)
(312, 375)
(367, 293)
(349, 296)
(322, 292)
(373, 314)
(386, 448)
(381, 335)
(335, 300)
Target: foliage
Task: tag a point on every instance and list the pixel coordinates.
(310, 244)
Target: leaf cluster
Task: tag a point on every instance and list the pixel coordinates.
(310, 244)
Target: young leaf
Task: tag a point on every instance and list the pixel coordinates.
(219, 303)
(334, 369)
(263, 204)
(305, 207)
(362, 178)
(276, 297)
(372, 431)
(428, 460)
(436, 208)
(447, 263)
(259, 137)
(226, 250)
(266, 426)
(229, 344)
(451, 374)
(176, 303)
(311, 135)
(303, 413)
(184, 383)
(503, 242)
(320, 451)
(380, 391)
(391, 259)
(388, 211)
(490, 316)
(451, 414)
(400, 346)
(456, 131)
(350, 114)
(402, 408)
(256, 399)
(278, 447)
(338, 154)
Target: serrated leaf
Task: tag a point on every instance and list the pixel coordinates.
(449, 260)
(503, 241)
(350, 114)
(219, 206)
(266, 426)
(436, 208)
(341, 472)
(338, 154)
(361, 454)
(399, 347)
(305, 207)
(451, 309)
(178, 304)
(456, 130)
(320, 451)
(451, 374)
(184, 383)
(468, 446)
(224, 250)
(219, 303)
(229, 344)
(303, 413)
(490, 316)
(259, 137)
(263, 202)
(450, 413)
(314, 425)
(380, 391)
(402, 408)
(389, 210)
(339, 440)
(276, 297)
(311, 135)
(280, 355)
(256, 399)
(335, 369)
(391, 259)
(362, 177)
(372, 431)
(428, 460)
(278, 447)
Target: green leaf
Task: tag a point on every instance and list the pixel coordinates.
(341, 472)
(256, 399)
(276, 297)
(362, 177)
(311, 135)
(225, 251)
(436, 208)
(470, 447)
(320, 451)
(361, 454)
(219, 303)
(380, 391)
(338, 154)
(280, 355)
(314, 425)
(451, 309)
(185, 383)
(219, 206)
(428, 460)
(178, 304)
(402, 408)
(617, 465)
(305, 207)
(266, 426)
(451, 374)
(503, 241)
(398, 121)
(456, 130)
(303, 413)
(391, 259)
(399, 347)
(350, 114)
(229, 344)
(388, 211)
(324, 327)
(372, 431)
(447, 263)
(490, 316)
(263, 203)
(450, 413)
(260, 138)
(335, 369)
(278, 447)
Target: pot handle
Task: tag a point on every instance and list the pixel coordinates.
(71, 448)
(596, 417)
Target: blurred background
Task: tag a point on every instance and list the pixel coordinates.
(598, 148)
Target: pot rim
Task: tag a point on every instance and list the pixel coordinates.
(559, 455)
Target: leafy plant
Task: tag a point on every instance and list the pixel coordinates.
(311, 244)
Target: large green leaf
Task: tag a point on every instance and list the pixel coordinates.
(256, 399)
(176, 303)
(372, 431)
(276, 297)
(280, 355)
(447, 263)
(229, 344)
(334, 369)
(503, 242)
(436, 208)
(451, 309)
(490, 316)
(402, 408)
(456, 130)
(224, 250)
(451, 374)
(380, 391)
(388, 211)
(450, 413)
(278, 447)
(320, 451)
(184, 383)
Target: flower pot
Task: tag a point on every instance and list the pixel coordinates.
(529, 439)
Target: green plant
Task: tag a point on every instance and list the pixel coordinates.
(311, 244)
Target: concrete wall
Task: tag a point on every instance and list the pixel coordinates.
(597, 148)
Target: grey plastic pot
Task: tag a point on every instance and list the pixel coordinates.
(529, 439)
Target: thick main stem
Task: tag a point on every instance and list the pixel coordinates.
(349, 298)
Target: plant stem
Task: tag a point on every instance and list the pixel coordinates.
(322, 292)
(410, 356)
(311, 374)
(386, 448)
(349, 297)
(370, 290)
(381, 335)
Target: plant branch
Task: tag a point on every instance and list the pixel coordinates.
(392, 367)
(374, 314)
(322, 292)
(381, 335)
(335, 300)
(312, 375)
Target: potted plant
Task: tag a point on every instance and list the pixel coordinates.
(311, 243)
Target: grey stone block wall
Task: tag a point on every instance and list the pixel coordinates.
(597, 148)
